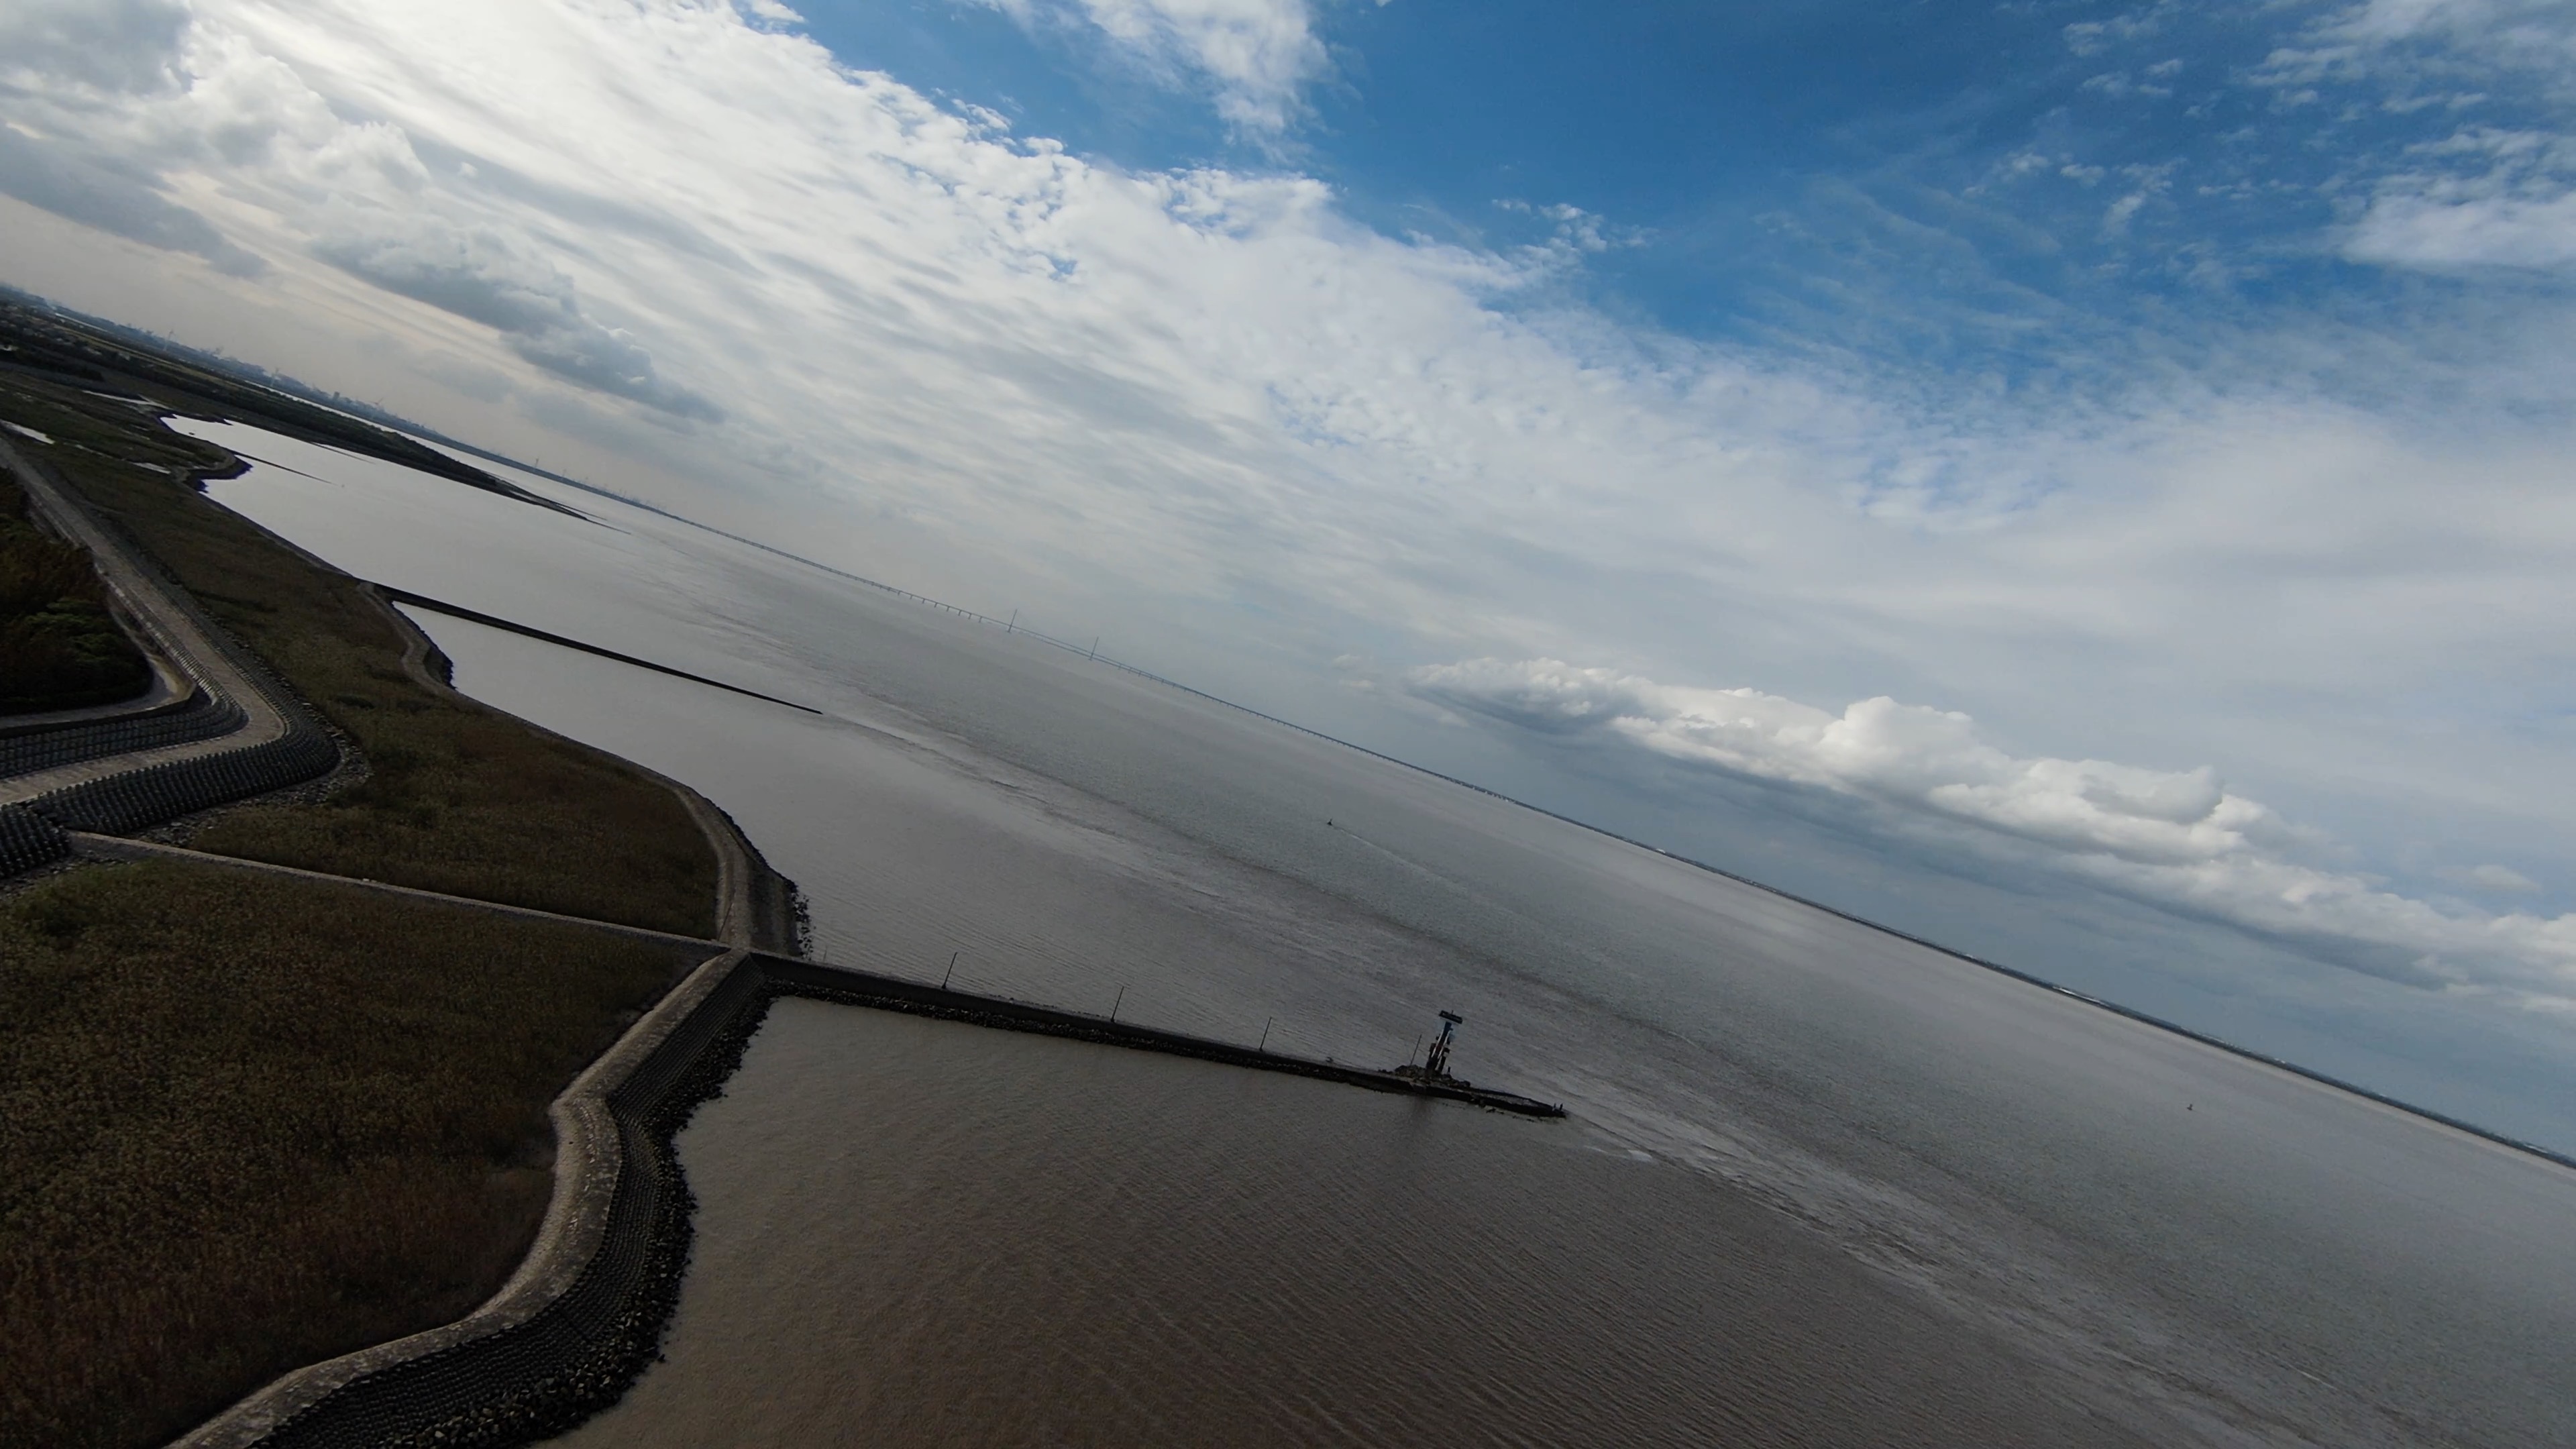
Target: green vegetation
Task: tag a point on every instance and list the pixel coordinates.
(462, 799)
(58, 647)
(248, 1123)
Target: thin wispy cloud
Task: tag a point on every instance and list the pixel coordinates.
(687, 232)
(2479, 192)
(1255, 57)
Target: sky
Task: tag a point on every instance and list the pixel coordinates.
(2118, 454)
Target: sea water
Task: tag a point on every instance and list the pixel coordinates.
(1819, 1184)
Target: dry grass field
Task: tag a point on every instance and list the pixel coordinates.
(247, 1123)
(250, 1122)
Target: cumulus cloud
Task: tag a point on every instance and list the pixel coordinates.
(71, 181)
(62, 63)
(2177, 839)
(1211, 396)
(2092, 37)
(1256, 55)
(1923, 759)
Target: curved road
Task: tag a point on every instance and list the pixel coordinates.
(174, 629)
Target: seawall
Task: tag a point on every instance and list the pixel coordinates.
(584, 1315)
(241, 731)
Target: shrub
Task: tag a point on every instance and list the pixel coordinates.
(59, 649)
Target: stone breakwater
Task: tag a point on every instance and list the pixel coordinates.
(585, 1314)
(858, 988)
(201, 715)
(28, 840)
(153, 793)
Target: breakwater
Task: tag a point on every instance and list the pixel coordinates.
(115, 804)
(28, 840)
(198, 715)
(493, 621)
(889, 993)
(585, 1314)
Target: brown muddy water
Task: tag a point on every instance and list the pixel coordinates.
(1820, 1184)
(1038, 1242)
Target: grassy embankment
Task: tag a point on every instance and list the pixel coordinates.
(461, 799)
(58, 647)
(249, 1123)
(246, 1123)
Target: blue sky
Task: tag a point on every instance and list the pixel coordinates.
(2117, 452)
(2040, 197)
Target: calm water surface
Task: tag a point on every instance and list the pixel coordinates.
(1065, 1244)
(1820, 1181)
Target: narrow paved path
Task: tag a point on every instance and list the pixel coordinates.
(113, 847)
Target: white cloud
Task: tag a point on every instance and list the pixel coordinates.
(2119, 85)
(484, 276)
(97, 46)
(1257, 55)
(2092, 37)
(2482, 197)
(2425, 227)
(2487, 196)
(2177, 839)
(1212, 395)
(1925, 759)
(2502, 878)
(80, 81)
(2535, 34)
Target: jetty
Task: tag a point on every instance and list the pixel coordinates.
(796, 977)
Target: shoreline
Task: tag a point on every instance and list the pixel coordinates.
(271, 743)
(584, 1314)
(640, 1136)
(611, 1126)
(2565, 1159)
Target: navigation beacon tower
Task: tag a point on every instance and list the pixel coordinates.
(1437, 1063)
